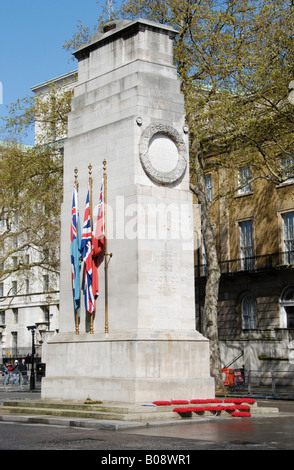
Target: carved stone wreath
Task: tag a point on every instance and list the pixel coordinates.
(154, 174)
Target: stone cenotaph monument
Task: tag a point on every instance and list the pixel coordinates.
(128, 109)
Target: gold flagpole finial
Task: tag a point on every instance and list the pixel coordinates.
(76, 177)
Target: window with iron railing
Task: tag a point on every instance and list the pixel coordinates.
(255, 263)
(288, 233)
(246, 245)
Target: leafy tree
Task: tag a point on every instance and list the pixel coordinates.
(235, 60)
(83, 33)
(181, 15)
(31, 184)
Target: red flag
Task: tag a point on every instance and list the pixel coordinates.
(99, 237)
(95, 284)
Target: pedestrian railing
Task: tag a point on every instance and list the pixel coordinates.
(19, 381)
(274, 382)
(15, 380)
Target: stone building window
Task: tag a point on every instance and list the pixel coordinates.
(249, 313)
(14, 343)
(244, 178)
(287, 308)
(14, 288)
(15, 315)
(288, 234)
(287, 167)
(45, 283)
(246, 245)
(2, 317)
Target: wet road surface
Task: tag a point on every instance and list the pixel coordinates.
(176, 438)
(264, 432)
(275, 433)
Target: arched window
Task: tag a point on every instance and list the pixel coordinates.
(287, 308)
(249, 312)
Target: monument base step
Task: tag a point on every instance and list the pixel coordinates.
(109, 411)
(143, 413)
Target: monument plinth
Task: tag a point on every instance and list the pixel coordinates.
(128, 109)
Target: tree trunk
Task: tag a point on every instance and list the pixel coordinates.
(213, 278)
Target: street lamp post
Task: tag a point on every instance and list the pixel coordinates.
(32, 378)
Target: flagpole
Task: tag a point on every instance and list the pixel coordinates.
(77, 309)
(109, 9)
(105, 247)
(91, 226)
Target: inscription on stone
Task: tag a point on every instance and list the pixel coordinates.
(167, 279)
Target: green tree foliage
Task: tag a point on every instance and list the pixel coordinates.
(235, 61)
(84, 33)
(31, 184)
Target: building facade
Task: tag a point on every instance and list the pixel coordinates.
(28, 297)
(254, 235)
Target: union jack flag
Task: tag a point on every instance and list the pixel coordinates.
(74, 215)
(75, 239)
(86, 251)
